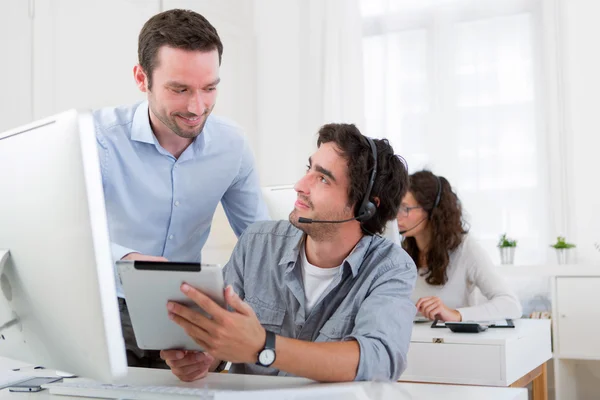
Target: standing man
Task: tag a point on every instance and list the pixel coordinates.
(167, 162)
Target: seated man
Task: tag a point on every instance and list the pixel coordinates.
(320, 296)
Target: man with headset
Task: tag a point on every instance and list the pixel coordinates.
(321, 296)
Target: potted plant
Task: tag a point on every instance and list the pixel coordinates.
(507, 249)
(562, 249)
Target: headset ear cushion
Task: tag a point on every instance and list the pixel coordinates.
(367, 212)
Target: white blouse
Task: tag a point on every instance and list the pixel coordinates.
(471, 268)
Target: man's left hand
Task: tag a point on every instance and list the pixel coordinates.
(236, 336)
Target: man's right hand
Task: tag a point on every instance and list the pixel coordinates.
(142, 257)
(187, 365)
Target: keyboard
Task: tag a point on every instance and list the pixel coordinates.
(129, 392)
(108, 391)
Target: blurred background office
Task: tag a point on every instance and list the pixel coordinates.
(498, 96)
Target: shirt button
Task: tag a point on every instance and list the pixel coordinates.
(170, 237)
(177, 203)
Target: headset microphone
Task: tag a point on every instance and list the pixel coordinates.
(410, 229)
(367, 208)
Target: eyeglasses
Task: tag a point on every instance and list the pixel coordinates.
(404, 211)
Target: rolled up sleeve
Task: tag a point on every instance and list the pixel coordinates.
(383, 325)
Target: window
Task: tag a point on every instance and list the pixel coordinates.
(455, 87)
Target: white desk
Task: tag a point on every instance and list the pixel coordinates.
(374, 390)
(496, 357)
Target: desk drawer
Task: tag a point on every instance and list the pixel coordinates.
(455, 363)
(578, 317)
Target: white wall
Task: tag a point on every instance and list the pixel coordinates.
(15, 46)
(284, 137)
(579, 28)
(580, 62)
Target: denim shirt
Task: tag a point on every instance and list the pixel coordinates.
(368, 301)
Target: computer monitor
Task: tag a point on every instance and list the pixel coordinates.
(58, 303)
(280, 203)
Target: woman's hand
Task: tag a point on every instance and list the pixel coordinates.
(433, 308)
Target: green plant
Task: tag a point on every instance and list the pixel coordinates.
(506, 242)
(562, 244)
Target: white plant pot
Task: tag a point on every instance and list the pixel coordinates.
(507, 255)
(564, 256)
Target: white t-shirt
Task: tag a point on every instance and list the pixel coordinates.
(316, 281)
(470, 268)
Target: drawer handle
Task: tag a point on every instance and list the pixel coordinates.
(438, 340)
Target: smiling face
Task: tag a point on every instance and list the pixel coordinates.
(323, 193)
(183, 92)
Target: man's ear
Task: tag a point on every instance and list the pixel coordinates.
(140, 78)
(376, 201)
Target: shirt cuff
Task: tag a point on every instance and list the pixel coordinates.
(118, 252)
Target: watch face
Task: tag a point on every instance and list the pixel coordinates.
(266, 357)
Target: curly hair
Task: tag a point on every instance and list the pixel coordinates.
(446, 222)
(391, 181)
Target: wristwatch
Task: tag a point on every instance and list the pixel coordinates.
(266, 356)
(221, 366)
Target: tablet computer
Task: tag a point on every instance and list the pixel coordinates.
(149, 285)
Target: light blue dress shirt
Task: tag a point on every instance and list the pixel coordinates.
(162, 206)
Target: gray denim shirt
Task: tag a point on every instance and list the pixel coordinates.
(368, 301)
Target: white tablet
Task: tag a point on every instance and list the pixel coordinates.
(149, 285)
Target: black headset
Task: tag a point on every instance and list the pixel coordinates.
(438, 196)
(367, 207)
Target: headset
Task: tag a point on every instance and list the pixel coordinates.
(367, 208)
(438, 196)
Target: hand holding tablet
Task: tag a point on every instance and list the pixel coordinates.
(149, 286)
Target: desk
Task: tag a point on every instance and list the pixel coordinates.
(374, 390)
(496, 357)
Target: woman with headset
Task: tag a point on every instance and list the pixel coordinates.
(451, 264)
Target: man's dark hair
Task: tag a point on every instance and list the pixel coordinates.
(180, 29)
(391, 181)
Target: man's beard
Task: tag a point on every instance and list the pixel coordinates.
(319, 231)
(170, 121)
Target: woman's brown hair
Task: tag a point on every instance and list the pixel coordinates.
(446, 224)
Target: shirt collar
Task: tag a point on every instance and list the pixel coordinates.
(292, 252)
(358, 254)
(354, 260)
(141, 131)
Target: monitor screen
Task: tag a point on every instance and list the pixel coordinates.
(58, 302)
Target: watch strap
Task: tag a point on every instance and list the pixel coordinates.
(270, 340)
